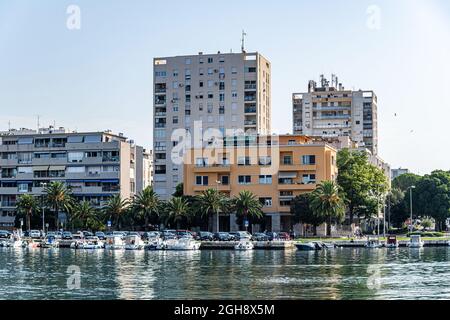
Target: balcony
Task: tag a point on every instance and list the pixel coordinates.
(9, 191)
(297, 186)
(250, 109)
(250, 122)
(212, 168)
(221, 188)
(9, 204)
(336, 116)
(332, 108)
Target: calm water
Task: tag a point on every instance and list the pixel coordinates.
(334, 274)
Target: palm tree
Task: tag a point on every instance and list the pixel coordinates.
(115, 208)
(146, 204)
(58, 196)
(212, 202)
(176, 210)
(27, 204)
(248, 206)
(327, 202)
(86, 214)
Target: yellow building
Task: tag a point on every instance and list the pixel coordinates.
(274, 168)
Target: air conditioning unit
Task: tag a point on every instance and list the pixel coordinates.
(181, 85)
(216, 70)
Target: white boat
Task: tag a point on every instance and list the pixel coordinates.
(114, 242)
(313, 246)
(31, 243)
(244, 245)
(154, 244)
(92, 243)
(374, 243)
(134, 242)
(415, 242)
(182, 244)
(49, 242)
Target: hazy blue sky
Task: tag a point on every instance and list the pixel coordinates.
(100, 77)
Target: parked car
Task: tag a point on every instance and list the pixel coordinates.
(233, 236)
(205, 236)
(284, 236)
(35, 234)
(169, 234)
(87, 234)
(150, 235)
(100, 235)
(222, 236)
(66, 235)
(260, 237)
(54, 234)
(184, 234)
(272, 236)
(243, 235)
(4, 234)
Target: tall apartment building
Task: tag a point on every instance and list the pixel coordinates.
(329, 110)
(275, 169)
(222, 91)
(398, 172)
(95, 165)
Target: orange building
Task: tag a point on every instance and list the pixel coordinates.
(274, 168)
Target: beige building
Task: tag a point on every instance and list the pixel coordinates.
(330, 110)
(274, 168)
(95, 165)
(220, 91)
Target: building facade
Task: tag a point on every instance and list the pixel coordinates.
(95, 165)
(216, 91)
(398, 172)
(274, 168)
(329, 110)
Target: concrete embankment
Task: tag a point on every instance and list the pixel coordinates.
(259, 245)
(362, 243)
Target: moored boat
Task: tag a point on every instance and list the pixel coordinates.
(392, 242)
(415, 242)
(311, 246)
(134, 242)
(244, 245)
(49, 243)
(373, 243)
(182, 244)
(114, 242)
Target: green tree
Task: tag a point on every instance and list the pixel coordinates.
(431, 198)
(398, 207)
(302, 212)
(146, 205)
(248, 207)
(27, 204)
(211, 202)
(405, 181)
(176, 211)
(179, 190)
(58, 196)
(86, 216)
(327, 202)
(115, 209)
(359, 181)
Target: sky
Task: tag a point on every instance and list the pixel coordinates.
(99, 76)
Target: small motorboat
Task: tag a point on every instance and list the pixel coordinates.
(415, 242)
(154, 244)
(134, 242)
(114, 242)
(392, 242)
(312, 246)
(244, 245)
(49, 243)
(182, 244)
(374, 243)
(31, 243)
(92, 243)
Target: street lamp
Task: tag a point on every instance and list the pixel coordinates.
(218, 182)
(410, 205)
(43, 208)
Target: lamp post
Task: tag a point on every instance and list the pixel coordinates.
(218, 182)
(43, 209)
(410, 205)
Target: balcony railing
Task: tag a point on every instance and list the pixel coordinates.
(250, 110)
(250, 122)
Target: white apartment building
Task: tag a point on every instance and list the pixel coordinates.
(329, 110)
(220, 91)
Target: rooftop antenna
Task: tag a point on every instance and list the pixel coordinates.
(243, 40)
(9, 125)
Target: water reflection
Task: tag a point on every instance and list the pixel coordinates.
(332, 274)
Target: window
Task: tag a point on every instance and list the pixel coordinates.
(266, 202)
(160, 169)
(222, 97)
(265, 179)
(308, 160)
(160, 73)
(25, 170)
(200, 84)
(210, 95)
(265, 161)
(234, 106)
(225, 180)
(233, 70)
(201, 180)
(92, 154)
(92, 139)
(244, 180)
(75, 139)
(287, 160)
(25, 141)
(76, 169)
(175, 73)
(234, 83)
(244, 161)
(175, 85)
(188, 61)
(222, 86)
(210, 60)
(309, 179)
(210, 71)
(175, 120)
(23, 187)
(210, 83)
(251, 69)
(201, 72)
(201, 162)
(234, 94)
(25, 158)
(221, 59)
(75, 157)
(160, 134)
(160, 146)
